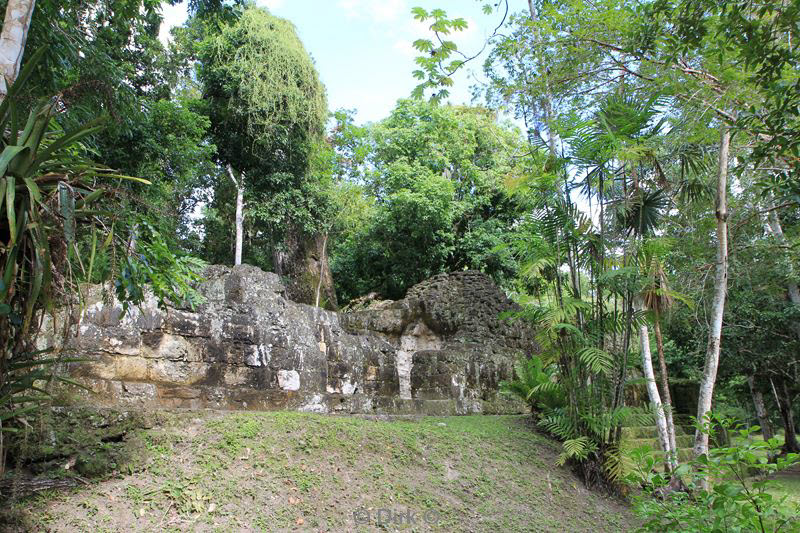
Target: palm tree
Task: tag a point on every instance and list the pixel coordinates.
(657, 298)
(624, 140)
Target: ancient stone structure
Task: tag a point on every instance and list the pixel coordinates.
(441, 350)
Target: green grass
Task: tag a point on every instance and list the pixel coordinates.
(236, 471)
(788, 486)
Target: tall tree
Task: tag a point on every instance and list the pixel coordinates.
(436, 174)
(709, 377)
(258, 80)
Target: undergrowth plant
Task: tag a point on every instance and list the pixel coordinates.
(53, 198)
(535, 384)
(740, 494)
(585, 343)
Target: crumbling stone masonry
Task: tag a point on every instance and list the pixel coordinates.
(442, 349)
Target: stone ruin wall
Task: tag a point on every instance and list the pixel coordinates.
(443, 349)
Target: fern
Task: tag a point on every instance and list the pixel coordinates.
(613, 464)
(596, 360)
(535, 384)
(577, 449)
(560, 424)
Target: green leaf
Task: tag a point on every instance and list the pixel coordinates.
(10, 207)
(18, 412)
(129, 178)
(89, 198)
(33, 189)
(67, 207)
(69, 138)
(9, 153)
(419, 13)
(70, 381)
(459, 24)
(423, 45)
(596, 360)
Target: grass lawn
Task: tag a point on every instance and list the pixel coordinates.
(248, 471)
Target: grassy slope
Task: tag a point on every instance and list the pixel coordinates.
(205, 471)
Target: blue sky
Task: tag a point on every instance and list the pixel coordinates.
(362, 48)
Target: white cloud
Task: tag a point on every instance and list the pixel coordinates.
(405, 48)
(375, 10)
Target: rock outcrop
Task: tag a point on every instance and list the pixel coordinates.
(441, 350)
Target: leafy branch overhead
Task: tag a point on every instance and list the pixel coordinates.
(441, 57)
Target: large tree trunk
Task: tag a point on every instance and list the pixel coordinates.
(784, 401)
(12, 41)
(761, 411)
(239, 184)
(720, 288)
(304, 264)
(666, 396)
(655, 398)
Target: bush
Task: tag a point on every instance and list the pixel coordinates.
(739, 495)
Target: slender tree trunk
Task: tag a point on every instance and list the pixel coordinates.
(777, 230)
(655, 398)
(323, 261)
(791, 285)
(784, 404)
(761, 411)
(720, 289)
(782, 398)
(12, 41)
(619, 394)
(237, 256)
(666, 395)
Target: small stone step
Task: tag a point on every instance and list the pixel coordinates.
(682, 441)
(651, 432)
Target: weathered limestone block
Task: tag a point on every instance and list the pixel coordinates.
(441, 350)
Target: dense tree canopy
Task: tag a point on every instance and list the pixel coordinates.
(437, 176)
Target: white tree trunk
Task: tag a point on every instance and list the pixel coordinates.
(237, 256)
(12, 41)
(667, 397)
(720, 290)
(655, 398)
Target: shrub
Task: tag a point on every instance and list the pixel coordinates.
(727, 490)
